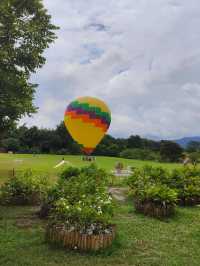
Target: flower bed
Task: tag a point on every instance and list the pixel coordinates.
(81, 211)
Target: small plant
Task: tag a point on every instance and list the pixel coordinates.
(24, 189)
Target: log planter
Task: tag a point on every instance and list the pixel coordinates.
(154, 209)
(78, 241)
(190, 201)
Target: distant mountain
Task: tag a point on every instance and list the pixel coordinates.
(184, 141)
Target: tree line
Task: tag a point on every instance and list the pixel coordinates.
(58, 141)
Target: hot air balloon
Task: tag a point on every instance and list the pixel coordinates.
(87, 119)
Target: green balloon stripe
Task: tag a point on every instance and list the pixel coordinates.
(90, 108)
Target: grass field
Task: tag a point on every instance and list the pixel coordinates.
(46, 163)
(140, 240)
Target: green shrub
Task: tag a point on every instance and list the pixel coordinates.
(151, 184)
(24, 189)
(148, 174)
(186, 181)
(83, 200)
(160, 193)
(151, 191)
(69, 172)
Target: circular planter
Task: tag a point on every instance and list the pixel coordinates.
(153, 209)
(76, 240)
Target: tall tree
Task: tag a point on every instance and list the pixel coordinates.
(170, 151)
(25, 32)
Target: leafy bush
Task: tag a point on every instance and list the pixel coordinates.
(69, 172)
(24, 189)
(186, 181)
(83, 200)
(152, 193)
(148, 174)
(158, 184)
(157, 193)
(150, 184)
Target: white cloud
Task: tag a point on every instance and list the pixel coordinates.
(140, 56)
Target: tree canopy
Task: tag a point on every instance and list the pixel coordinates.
(25, 32)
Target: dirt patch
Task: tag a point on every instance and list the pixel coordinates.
(27, 221)
(24, 223)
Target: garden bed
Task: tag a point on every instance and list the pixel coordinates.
(24, 189)
(150, 208)
(81, 241)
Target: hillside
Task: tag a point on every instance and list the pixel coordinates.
(184, 141)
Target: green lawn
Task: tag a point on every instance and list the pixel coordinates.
(46, 163)
(140, 240)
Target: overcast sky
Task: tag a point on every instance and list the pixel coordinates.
(141, 56)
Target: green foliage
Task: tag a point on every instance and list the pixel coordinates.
(158, 184)
(140, 154)
(186, 181)
(24, 189)
(83, 199)
(25, 32)
(158, 193)
(151, 184)
(11, 144)
(70, 172)
(170, 151)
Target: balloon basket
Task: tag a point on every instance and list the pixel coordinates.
(88, 158)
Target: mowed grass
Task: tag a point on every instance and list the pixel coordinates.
(140, 240)
(46, 163)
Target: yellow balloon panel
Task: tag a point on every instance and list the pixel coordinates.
(84, 133)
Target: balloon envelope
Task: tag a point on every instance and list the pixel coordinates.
(87, 120)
